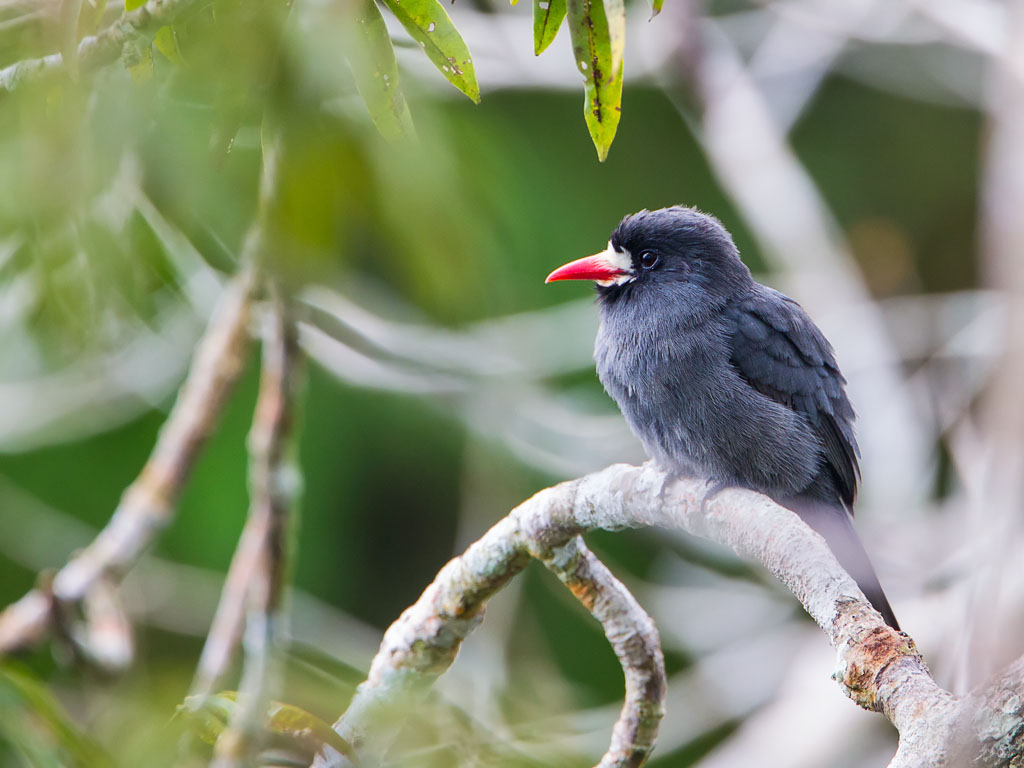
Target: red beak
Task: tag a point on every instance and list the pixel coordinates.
(596, 267)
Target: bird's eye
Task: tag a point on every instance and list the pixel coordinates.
(649, 259)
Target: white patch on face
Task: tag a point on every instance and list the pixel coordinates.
(617, 260)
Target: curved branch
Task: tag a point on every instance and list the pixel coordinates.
(879, 669)
(633, 637)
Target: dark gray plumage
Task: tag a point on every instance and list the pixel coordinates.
(724, 378)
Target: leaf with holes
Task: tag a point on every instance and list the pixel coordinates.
(429, 24)
(598, 30)
(547, 18)
(373, 63)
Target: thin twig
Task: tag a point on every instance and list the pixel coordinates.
(878, 668)
(272, 490)
(229, 620)
(106, 634)
(166, 595)
(148, 504)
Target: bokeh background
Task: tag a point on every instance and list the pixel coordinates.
(863, 156)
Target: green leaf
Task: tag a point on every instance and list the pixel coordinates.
(131, 5)
(598, 30)
(210, 715)
(166, 41)
(302, 726)
(429, 24)
(547, 18)
(656, 7)
(376, 73)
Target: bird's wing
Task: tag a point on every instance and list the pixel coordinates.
(780, 352)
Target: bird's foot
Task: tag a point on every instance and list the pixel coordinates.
(714, 487)
(669, 477)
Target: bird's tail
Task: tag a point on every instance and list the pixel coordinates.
(836, 527)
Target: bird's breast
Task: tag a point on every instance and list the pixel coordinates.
(695, 415)
(665, 388)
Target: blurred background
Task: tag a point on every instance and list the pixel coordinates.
(867, 158)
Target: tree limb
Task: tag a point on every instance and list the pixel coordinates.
(879, 669)
(989, 726)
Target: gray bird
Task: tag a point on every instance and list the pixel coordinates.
(724, 378)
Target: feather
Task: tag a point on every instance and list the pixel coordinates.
(782, 354)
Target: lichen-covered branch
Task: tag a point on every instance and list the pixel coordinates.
(102, 48)
(879, 668)
(148, 503)
(990, 724)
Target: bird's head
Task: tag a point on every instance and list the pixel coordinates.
(678, 253)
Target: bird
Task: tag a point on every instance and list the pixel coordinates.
(723, 378)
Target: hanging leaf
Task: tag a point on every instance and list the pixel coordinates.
(376, 73)
(547, 18)
(656, 7)
(430, 26)
(598, 30)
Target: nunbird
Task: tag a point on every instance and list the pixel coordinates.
(724, 378)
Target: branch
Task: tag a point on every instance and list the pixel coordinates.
(270, 424)
(879, 669)
(272, 489)
(989, 727)
(148, 504)
(634, 639)
(101, 49)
